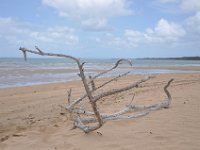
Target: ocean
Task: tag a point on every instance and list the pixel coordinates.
(15, 72)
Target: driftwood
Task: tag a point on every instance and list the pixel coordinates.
(91, 120)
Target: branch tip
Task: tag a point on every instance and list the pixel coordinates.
(39, 50)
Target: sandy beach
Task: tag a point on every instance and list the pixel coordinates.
(31, 118)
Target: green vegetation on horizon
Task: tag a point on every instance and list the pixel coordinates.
(175, 58)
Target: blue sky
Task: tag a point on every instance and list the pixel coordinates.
(101, 28)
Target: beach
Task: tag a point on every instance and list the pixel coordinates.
(31, 117)
(100, 75)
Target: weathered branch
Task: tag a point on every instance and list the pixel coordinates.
(39, 50)
(24, 50)
(114, 91)
(167, 92)
(93, 87)
(111, 80)
(69, 96)
(77, 107)
(109, 70)
(141, 110)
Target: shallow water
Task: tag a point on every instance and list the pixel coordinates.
(16, 72)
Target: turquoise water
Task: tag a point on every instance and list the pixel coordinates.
(16, 72)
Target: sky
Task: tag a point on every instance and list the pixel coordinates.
(101, 28)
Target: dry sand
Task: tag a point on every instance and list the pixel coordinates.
(30, 118)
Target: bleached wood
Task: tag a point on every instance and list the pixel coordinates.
(114, 91)
(111, 80)
(111, 69)
(130, 111)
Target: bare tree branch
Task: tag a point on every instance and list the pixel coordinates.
(113, 79)
(114, 67)
(39, 50)
(47, 54)
(141, 110)
(69, 96)
(84, 119)
(93, 87)
(114, 91)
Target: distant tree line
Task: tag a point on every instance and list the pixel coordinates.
(175, 58)
(187, 58)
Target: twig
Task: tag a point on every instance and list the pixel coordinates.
(113, 79)
(69, 96)
(114, 91)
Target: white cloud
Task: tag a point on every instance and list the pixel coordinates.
(94, 24)
(184, 5)
(168, 1)
(164, 32)
(9, 25)
(55, 34)
(113, 41)
(133, 38)
(194, 22)
(18, 33)
(190, 5)
(91, 14)
(166, 29)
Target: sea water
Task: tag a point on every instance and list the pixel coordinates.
(16, 72)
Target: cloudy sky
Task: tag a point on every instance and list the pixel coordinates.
(101, 28)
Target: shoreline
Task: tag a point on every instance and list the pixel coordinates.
(31, 117)
(183, 68)
(73, 75)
